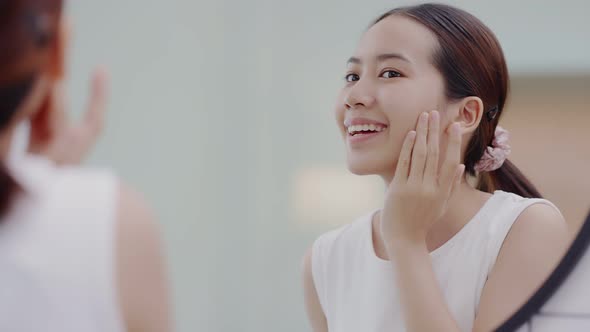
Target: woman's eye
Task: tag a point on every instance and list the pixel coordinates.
(390, 74)
(351, 77)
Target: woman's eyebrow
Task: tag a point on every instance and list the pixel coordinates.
(380, 58)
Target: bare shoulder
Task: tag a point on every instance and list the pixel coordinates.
(141, 269)
(539, 219)
(533, 247)
(537, 239)
(136, 220)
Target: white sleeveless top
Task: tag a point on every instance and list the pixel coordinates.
(357, 291)
(57, 251)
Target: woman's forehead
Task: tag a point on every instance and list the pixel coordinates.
(398, 35)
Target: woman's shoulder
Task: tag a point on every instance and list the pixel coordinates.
(510, 212)
(536, 217)
(528, 208)
(535, 241)
(141, 265)
(135, 218)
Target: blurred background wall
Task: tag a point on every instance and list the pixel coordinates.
(221, 113)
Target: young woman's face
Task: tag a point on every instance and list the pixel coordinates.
(390, 81)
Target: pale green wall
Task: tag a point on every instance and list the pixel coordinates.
(218, 105)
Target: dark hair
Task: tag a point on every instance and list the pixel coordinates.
(472, 63)
(26, 29)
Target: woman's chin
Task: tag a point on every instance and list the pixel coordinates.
(360, 170)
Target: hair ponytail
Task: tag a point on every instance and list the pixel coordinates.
(508, 178)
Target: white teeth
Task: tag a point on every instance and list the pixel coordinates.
(366, 127)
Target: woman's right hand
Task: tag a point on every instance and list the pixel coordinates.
(58, 138)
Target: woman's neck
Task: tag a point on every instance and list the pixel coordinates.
(462, 207)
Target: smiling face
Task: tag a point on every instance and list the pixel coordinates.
(390, 81)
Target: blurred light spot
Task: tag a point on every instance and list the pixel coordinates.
(332, 196)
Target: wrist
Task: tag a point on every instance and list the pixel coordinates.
(405, 244)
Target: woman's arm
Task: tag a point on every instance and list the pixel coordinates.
(530, 252)
(141, 268)
(312, 303)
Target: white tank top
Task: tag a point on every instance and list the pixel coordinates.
(57, 251)
(357, 291)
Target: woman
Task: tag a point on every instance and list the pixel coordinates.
(79, 251)
(424, 93)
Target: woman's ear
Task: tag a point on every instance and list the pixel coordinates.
(470, 114)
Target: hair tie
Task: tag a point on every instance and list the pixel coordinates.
(491, 114)
(495, 155)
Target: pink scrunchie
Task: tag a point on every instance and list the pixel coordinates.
(496, 154)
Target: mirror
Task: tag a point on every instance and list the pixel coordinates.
(238, 212)
(563, 301)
